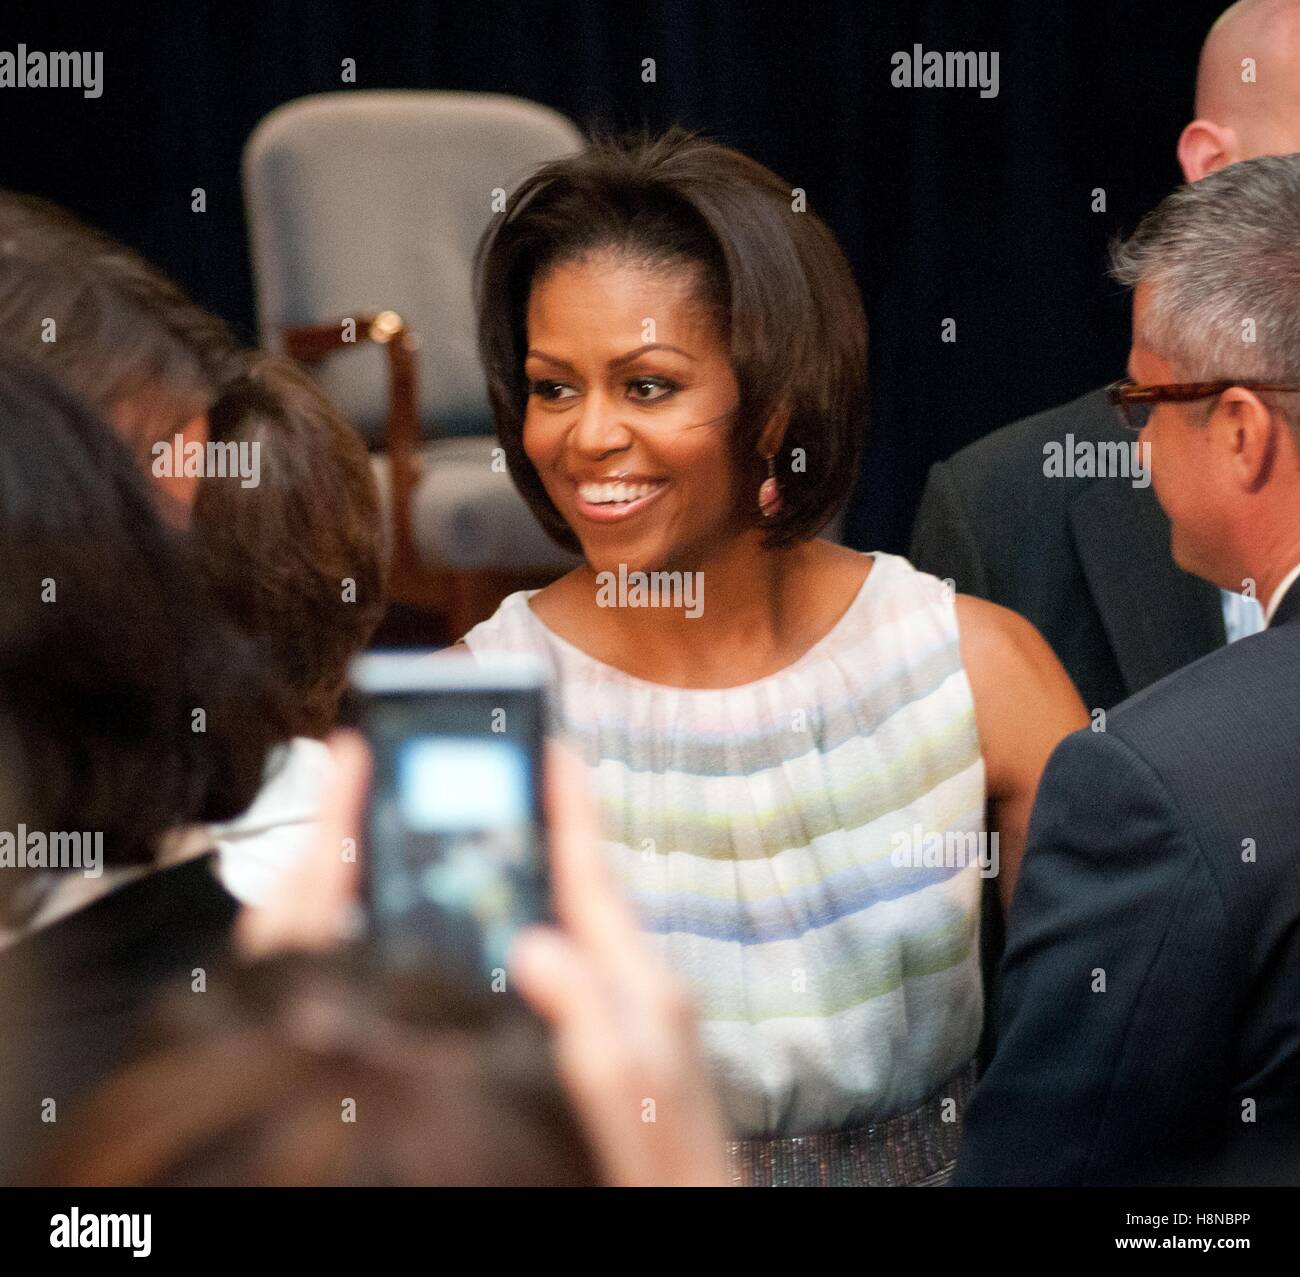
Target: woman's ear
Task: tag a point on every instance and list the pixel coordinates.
(770, 441)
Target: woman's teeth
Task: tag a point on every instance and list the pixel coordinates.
(614, 493)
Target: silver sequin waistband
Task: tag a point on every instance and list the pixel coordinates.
(916, 1148)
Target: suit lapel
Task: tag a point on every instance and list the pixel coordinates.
(1157, 617)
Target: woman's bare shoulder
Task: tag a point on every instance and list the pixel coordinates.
(996, 633)
(1011, 667)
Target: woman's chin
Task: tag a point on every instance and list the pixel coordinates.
(610, 553)
(655, 553)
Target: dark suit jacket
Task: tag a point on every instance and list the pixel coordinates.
(74, 995)
(1085, 559)
(1164, 861)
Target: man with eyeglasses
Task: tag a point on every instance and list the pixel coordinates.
(1149, 1029)
(1087, 560)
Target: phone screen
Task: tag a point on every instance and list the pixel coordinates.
(455, 857)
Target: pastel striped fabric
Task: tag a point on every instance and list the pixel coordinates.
(765, 835)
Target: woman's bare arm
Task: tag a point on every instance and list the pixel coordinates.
(1025, 705)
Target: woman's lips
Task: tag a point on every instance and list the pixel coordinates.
(605, 510)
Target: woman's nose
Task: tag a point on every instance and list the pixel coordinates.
(601, 427)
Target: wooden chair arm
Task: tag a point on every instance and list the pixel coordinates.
(311, 343)
(460, 599)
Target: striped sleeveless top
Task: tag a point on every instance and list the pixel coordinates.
(771, 838)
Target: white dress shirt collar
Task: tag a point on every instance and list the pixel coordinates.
(1280, 593)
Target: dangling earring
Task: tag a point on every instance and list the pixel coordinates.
(769, 495)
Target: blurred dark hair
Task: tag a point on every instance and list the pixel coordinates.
(112, 655)
(277, 554)
(128, 340)
(784, 297)
(246, 1085)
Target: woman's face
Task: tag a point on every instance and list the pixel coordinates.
(630, 401)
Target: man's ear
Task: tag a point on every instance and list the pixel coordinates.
(177, 489)
(1204, 147)
(1252, 434)
(196, 429)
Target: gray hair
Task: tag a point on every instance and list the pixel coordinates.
(1216, 254)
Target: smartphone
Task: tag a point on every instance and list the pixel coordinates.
(455, 856)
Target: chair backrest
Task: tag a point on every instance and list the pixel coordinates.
(369, 201)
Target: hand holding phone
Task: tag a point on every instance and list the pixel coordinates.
(623, 1028)
(455, 836)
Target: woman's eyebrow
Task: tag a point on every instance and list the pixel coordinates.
(641, 350)
(549, 359)
(614, 363)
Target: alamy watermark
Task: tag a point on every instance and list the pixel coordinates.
(182, 458)
(32, 69)
(636, 588)
(24, 848)
(1110, 459)
(931, 69)
(918, 848)
(96, 1230)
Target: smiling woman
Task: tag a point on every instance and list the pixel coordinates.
(676, 356)
(593, 386)
(727, 274)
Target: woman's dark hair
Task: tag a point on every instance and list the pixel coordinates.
(250, 1083)
(136, 706)
(277, 555)
(770, 270)
(125, 337)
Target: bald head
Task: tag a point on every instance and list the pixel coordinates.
(1247, 88)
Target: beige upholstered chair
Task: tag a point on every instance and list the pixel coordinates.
(364, 209)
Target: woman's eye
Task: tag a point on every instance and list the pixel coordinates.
(551, 390)
(648, 389)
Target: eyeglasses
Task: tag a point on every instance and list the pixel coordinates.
(1135, 403)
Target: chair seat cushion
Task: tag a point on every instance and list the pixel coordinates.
(467, 516)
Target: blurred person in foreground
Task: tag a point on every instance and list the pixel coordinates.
(1149, 1031)
(107, 325)
(297, 561)
(286, 526)
(449, 1085)
(131, 706)
(800, 752)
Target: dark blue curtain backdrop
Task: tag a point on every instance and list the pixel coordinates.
(948, 205)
